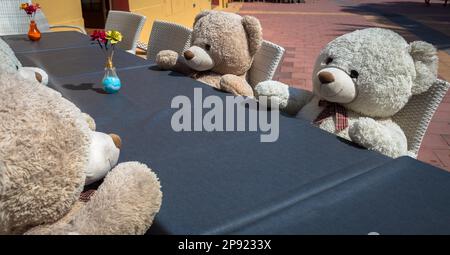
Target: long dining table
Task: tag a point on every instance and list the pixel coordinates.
(306, 182)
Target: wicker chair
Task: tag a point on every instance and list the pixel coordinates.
(129, 24)
(15, 21)
(265, 63)
(168, 36)
(416, 115)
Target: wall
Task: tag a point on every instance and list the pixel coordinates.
(66, 12)
(121, 5)
(178, 11)
(220, 4)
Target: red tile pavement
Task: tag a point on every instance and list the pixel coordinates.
(303, 29)
(443, 156)
(446, 138)
(434, 141)
(431, 158)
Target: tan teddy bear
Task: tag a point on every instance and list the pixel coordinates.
(221, 53)
(48, 153)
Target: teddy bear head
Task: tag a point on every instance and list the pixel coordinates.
(374, 71)
(223, 42)
(47, 150)
(10, 64)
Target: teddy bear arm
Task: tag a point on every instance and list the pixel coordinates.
(60, 227)
(387, 138)
(210, 78)
(289, 100)
(236, 85)
(125, 203)
(170, 60)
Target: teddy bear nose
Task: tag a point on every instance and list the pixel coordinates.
(326, 77)
(117, 141)
(38, 76)
(188, 55)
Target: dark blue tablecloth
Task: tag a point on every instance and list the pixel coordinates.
(49, 41)
(307, 182)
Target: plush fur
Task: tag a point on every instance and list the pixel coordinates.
(222, 44)
(45, 157)
(126, 203)
(372, 73)
(44, 143)
(9, 63)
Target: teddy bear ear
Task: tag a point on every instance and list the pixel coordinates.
(426, 64)
(201, 15)
(254, 33)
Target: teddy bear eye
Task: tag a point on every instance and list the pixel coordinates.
(207, 46)
(354, 74)
(328, 60)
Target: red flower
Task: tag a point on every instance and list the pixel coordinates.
(32, 8)
(99, 35)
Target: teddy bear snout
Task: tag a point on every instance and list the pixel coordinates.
(326, 77)
(117, 141)
(188, 55)
(198, 59)
(335, 85)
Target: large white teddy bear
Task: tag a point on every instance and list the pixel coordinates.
(360, 80)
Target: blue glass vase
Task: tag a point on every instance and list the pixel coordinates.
(111, 82)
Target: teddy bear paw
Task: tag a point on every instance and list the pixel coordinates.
(275, 93)
(363, 130)
(235, 85)
(372, 135)
(166, 59)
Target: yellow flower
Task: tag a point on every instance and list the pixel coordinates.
(114, 36)
(23, 6)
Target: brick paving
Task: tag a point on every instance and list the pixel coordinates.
(303, 29)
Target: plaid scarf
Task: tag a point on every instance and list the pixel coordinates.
(85, 196)
(333, 109)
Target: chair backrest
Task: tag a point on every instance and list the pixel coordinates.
(13, 20)
(168, 36)
(265, 63)
(416, 115)
(127, 23)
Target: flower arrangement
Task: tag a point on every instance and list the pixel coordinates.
(107, 42)
(30, 9)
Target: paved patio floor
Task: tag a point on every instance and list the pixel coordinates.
(303, 29)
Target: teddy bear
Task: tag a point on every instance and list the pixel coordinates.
(360, 81)
(10, 63)
(49, 150)
(222, 49)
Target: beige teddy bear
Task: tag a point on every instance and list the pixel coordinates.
(48, 153)
(360, 81)
(221, 53)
